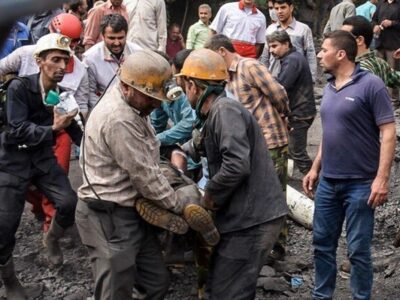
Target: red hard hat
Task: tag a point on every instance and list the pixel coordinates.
(68, 25)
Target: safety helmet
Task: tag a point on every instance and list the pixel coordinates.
(67, 24)
(53, 41)
(147, 72)
(204, 64)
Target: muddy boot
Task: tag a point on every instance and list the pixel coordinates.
(160, 217)
(51, 243)
(14, 289)
(200, 220)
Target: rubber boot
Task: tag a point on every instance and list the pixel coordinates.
(51, 243)
(14, 289)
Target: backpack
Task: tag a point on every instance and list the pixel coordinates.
(3, 102)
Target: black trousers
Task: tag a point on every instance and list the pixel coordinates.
(54, 185)
(298, 144)
(237, 260)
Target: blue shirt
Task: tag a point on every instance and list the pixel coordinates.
(351, 117)
(19, 36)
(183, 118)
(366, 10)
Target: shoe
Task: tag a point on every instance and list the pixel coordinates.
(161, 217)
(51, 241)
(200, 220)
(278, 253)
(14, 289)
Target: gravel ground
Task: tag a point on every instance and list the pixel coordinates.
(73, 280)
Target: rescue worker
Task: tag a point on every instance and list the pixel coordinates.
(120, 162)
(243, 189)
(26, 155)
(76, 80)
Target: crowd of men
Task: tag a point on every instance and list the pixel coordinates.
(193, 135)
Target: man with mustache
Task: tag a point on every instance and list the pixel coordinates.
(27, 156)
(96, 14)
(104, 58)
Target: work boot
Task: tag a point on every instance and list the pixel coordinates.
(14, 289)
(160, 217)
(200, 220)
(51, 243)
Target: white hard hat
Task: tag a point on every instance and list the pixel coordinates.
(53, 41)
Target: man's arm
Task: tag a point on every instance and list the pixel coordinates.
(159, 119)
(12, 62)
(290, 71)
(229, 131)
(350, 11)
(181, 131)
(263, 80)
(82, 94)
(217, 25)
(126, 140)
(310, 53)
(91, 70)
(191, 38)
(380, 185)
(92, 29)
(311, 178)
(161, 15)
(21, 129)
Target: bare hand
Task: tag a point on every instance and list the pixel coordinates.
(396, 54)
(377, 29)
(207, 202)
(309, 182)
(379, 192)
(386, 23)
(61, 121)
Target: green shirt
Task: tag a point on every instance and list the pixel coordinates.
(197, 35)
(376, 65)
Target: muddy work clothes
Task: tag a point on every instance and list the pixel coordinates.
(26, 156)
(123, 251)
(121, 154)
(120, 157)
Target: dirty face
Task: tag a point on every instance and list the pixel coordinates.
(114, 41)
(278, 49)
(191, 91)
(143, 103)
(328, 56)
(204, 15)
(53, 64)
(283, 11)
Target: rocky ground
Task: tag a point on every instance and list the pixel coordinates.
(290, 279)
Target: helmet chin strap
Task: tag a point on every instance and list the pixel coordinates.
(209, 89)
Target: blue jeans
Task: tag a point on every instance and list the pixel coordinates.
(335, 201)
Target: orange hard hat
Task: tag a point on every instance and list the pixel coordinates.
(204, 64)
(68, 25)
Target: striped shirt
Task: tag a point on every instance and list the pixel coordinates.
(376, 65)
(253, 85)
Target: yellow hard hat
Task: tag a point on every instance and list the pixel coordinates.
(53, 41)
(204, 64)
(147, 72)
